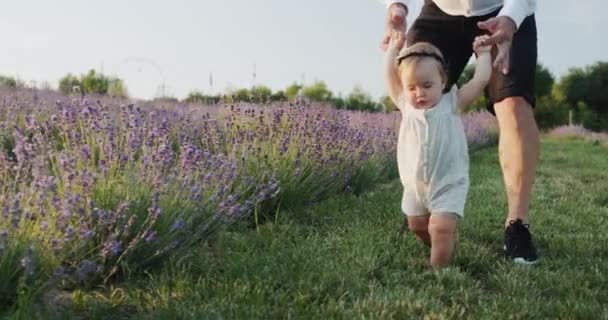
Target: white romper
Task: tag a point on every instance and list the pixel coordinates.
(433, 158)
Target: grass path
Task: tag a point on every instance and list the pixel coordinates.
(345, 259)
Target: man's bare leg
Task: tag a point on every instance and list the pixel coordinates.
(518, 150)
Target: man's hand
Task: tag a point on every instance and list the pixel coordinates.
(395, 21)
(502, 29)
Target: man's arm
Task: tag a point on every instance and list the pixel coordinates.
(518, 10)
(391, 75)
(504, 26)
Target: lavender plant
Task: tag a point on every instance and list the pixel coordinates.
(98, 188)
(578, 131)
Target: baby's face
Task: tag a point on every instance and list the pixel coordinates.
(422, 84)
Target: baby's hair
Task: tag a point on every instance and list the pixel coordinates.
(412, 55)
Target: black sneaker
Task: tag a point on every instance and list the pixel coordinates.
(518, 243)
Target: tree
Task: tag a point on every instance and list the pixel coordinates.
(278, 96)
(8, 82)
(199, 97)
(586, 85)
(117, 88)
(543, 81)
(260, 94)
(359, 100)
(195, 97)
(166, 99)
(317, 91)
(549, 112)
(338, 102)
(292, 91)
(388, 104)
(94, 82)
(584, 91)
(242, 95)
(68, 83)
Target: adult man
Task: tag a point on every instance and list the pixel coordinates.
(451, 25)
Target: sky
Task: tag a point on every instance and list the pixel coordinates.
(180, 45)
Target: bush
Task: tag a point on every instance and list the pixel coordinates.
(199, 97)
(549, 112)
(93, 83)
(69, 83)
(8, 82)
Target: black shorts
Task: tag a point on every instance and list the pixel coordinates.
(454, 36)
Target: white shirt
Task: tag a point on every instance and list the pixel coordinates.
(517, 10)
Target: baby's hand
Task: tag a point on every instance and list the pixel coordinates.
(397, 40)
(478, 48)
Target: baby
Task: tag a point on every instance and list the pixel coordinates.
(432, 151)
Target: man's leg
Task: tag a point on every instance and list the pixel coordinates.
(518, 150)
(518, 146)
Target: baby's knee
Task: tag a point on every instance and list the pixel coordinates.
(419, 229)
(441, 230)
(445, 227)
(418, 225)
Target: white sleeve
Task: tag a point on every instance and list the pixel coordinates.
(454, 97)
(413, 8)
(517, 10)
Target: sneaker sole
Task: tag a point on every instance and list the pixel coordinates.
(522, 261)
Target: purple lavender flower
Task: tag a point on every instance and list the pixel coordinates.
(60, 272)
(150, 236)
(3, 238)
(85, 268)
(178, 225)
(26, 263)
(86, 233)
(86, 152)
(69, 233)
(111, 248)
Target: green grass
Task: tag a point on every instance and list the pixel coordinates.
(344, 258)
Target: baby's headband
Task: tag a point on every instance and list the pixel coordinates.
(422, 54)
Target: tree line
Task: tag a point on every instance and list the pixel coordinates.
(578, 97)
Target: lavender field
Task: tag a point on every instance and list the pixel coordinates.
(96, 189)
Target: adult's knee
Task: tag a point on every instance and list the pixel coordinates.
(516, 105)
(515, 110)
